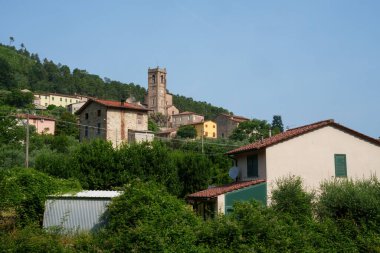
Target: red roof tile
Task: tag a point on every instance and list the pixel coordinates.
(113, 104)
(186, 113)
(291, 133)
(32, 116)
(214, 192)
(235, 118)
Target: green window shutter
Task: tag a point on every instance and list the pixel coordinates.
(252, 166)
(340, 166)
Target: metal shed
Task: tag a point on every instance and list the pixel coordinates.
(77, 212)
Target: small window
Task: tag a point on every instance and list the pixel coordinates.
(213, 126)
(70, 100)
(162, 78)
(206, 125)
(99, 113)
(188, 117)
(213, 134)
(52, 98)
(45, 97)
(45, 104)
(77, 101)
(139, 119)
(252, 166)
(86, 131)
(153, 79)
(65, 99)
(86, 115)
(340, 165)
(206, 134)
(60, 99)
(222, 135)
(98, 130)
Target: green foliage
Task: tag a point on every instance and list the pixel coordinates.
(149, 162)
(66, 125)
(6, 74)
(152, 126)
(357, 202)
(289, 197)
(203, 108)
(187, 131)
(277, 125)
(10, 131)
(25, 191)
(193, 171)
(146, 218)
(251, 131)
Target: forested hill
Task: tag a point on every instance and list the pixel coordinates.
(20, 69)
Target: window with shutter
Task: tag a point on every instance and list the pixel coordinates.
(340, 165)
(252, 166)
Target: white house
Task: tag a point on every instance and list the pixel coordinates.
(320, 151)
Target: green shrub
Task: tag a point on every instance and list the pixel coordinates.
(25, 190)
(289, 197)
(146, 218)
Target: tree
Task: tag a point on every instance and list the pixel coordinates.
(187, 131)
(6, 74)
(277, 125)
(152, 126)
(251, 131)
(67, 125)
(10, 131)
(19, 99)
(11, 40)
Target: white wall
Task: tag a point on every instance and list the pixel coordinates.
(311, 156)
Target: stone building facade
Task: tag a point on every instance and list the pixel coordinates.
(185, 118)
(158, 99)
(112, 120)
(227, 123)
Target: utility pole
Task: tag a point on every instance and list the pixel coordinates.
(27, 142)
(202, 140)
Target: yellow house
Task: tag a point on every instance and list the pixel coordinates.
(46, 99)
(208, 128)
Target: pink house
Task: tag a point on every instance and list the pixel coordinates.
(43, 124)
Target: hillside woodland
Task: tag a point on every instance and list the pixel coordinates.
(20, 69)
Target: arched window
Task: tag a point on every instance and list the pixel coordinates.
(162, 78)
(153, 79)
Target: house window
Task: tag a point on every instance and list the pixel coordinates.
(139, 119)
(252, 166)
(188, 118)
(340, 165)
(70, 100)
(52, 98)
(65, 99)
(98, 130)
(86, 115)
(60, 99)
(45, 97)
(45, 104)
(77, 101)
(213, 134)
(213, 126)
(99, 113)
(222, 135)
(206, 134)
(86, 131)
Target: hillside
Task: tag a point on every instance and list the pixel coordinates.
(29, 72)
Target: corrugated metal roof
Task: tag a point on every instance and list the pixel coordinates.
(90, 194)
(80, 211)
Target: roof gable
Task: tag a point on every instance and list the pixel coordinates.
(113, 104)
(295, 132)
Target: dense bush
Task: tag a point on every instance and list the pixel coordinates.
(24, 192)
(146, 218)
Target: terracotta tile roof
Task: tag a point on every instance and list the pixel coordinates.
(31, 116)
(294, 132)
(186, 113)
(216, 191)
(113, 104)
(235, 118)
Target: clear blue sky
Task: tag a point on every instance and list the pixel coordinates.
(305, 60)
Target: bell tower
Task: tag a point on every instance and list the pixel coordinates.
(157, 90)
